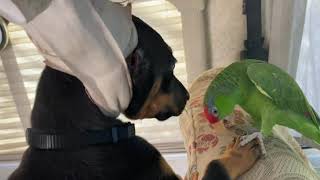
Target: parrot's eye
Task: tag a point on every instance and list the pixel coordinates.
(214, 111)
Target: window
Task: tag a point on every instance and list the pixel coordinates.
(308, 64)
(309, 60)
(21, 65)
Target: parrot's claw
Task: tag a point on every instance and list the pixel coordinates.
(228, 124)
(248, 138)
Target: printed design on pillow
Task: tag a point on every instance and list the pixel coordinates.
(202, 118)
(192, 147)
(204, 142)
(196, 102)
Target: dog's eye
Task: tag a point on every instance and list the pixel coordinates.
(173, 66)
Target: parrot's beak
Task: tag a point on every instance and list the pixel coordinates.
(214, 120)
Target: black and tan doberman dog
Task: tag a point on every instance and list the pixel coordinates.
(62, 105)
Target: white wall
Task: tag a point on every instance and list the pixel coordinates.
(227, 31)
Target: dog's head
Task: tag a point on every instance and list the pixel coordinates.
(156, 91)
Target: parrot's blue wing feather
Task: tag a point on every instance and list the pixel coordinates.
(282, 89)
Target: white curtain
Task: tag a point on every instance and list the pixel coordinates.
(309, 60)
(284, 20)
(292, 31)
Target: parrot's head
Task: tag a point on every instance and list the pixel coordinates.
(218, 107)
(211, 113)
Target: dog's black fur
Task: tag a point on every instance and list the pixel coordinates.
(215, 170)
(62, 103)
(157, 65)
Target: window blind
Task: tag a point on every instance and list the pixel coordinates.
(21, 65)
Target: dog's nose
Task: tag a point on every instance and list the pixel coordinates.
(161, 116)
(187, 96)
(185, 93)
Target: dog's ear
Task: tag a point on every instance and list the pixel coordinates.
(138, 65)
(142, 78)
(133, 60)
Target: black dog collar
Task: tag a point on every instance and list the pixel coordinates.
(55, 139)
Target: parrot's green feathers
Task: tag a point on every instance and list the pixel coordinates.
(316, 115)
(267, 93)
(229, 87)
(231, 79)
(282, 89)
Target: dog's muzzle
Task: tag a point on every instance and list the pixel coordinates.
(180, 96)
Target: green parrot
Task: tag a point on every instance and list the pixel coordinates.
(267, 93)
